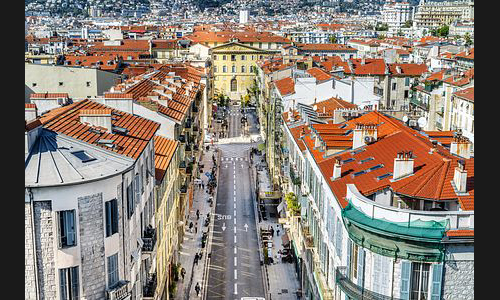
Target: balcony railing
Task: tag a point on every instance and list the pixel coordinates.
(355, 291)
(421, 104)
(119, 291)
(149, 240)
(148, 290)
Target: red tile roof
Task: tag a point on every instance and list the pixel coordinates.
(65, 120)
(164, 152)
(325, 47)
(319, 74)
(48, 95)
(467, 93)
(286, 86)
(407, 69)
(29, 105)
(466, 55)
(372, 66)
(327, 107)
(460, 233)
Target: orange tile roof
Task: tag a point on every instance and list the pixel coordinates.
(464, 54)
(286, 86)
(164, 152)
(65, 120)
(48, 95)
(29, 105)
(319, 74)
(408, 69)
(325, 47)
(467, 93)
(327, 107)
(126, 45)
(372, 66)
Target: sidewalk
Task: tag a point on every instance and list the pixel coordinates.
(192, 240)
(281, 279)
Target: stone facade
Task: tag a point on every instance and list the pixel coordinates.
(90, 220)
(44, 245)
(458, 279)
(29, 264)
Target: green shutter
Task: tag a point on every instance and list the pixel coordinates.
(405, 280)
(437, 275)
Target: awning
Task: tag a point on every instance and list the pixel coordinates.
(281, 206)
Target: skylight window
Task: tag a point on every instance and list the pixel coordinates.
(83, 156)
(348, 132)
(366, 159)
(348, 160)
(357, 151)
(375, 168)
(384, 176)
(358, 173)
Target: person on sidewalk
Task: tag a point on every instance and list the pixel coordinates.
(183, 273)
(197, 214)
(197, 288)
(191, 227)
(196, 228)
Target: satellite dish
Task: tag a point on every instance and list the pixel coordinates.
(422, 121)
(405, 119)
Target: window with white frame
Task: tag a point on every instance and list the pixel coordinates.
(112, 270)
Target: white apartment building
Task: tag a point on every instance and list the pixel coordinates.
(395, 14)
(88, 205)
(431, 14)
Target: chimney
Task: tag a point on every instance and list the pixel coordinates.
(363, 61)
(337, 169)
(460, 177)
(123, 102)
(403, 165)
(461, 146)
(398, 69)
(364, 134)
(97, 117)
(30, 112)
(317, 141)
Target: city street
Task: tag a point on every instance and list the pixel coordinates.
(234, 265)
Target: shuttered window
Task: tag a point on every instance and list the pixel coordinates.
(405, 280)
(348, 255)
(338, 240)
(437, 273)
(130, 200)
(361, 264)
(112, 270)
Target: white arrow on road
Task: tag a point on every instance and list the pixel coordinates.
(246, 227)
(223, 226)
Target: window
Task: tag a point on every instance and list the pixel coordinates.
(354, 261)
(68, 283)
(251, 44)
(243, 57)
(130, 200)
(251, 69)
(234, 85)
(215, 69)
(233, 69)
(61, 83)
(224, 57)
(260, 45)
(407, 81)
(261, 56)
(224, 69)
(419, 281)
(88, 83)
(33, 84)
(67, 232)
(243, 69)
(253, 56)
(233, 57)
(83, 156)
(406, 93)
(394, 86)
(111, 208)
(215, 57)
(112, 270)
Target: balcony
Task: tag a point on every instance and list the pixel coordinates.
(182, 164)
(355, 291)
(119, 291)
(419, 103)
(148, 291)
(149, 240)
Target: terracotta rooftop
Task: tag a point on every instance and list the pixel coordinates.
(164, 152)
(319, 74)
(286, 86)
(48, 95)
(65, 120)
(467, 94)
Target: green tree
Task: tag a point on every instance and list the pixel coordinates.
(333, 40)
(292, 203)
(468, 39)
(382, 27)
(407, 24)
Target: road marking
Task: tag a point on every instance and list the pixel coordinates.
(234, 221)
(235, 275)
(235, 251)
(235, 288)
(234, 229)
(234, 205)
(234, 192)
(235, 239)
(235, 212)
(235, 261)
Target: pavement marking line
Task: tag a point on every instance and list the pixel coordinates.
(235, 205)
(235, 250)
(234, 229)
(235, 212)
(235, 275)
(234, 221)
(235, 288)
(235, 239)
(235, 261)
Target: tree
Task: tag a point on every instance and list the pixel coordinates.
(292, 203)
(333, 40)
(382, 27)
(407, 24)
(244, 100)
(468, 39)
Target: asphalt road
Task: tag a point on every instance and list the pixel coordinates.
(234, 268)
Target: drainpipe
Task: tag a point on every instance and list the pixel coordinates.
(30, 193)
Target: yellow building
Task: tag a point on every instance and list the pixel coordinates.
(167, 212)
(233, 68)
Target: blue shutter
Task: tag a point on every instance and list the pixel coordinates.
(437, 275)
(70, 227)
(75, 289)
(63, 284)
(405, 280)
(361, 263)
(348, 254)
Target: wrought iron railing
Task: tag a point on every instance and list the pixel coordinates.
(150, 287)
(119, 291)
(149, 240)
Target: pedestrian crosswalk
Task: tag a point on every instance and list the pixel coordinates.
(234, 158)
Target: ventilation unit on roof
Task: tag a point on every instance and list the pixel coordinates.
(94, 130)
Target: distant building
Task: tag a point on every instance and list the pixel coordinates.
(395, 14)
(435, 14)
(244, 16)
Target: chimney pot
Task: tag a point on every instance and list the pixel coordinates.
(337, 169)
(460, 177)
(403, 164)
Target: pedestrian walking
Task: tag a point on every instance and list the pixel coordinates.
(278, 232)
(197, 288)
(183, 273)
(202, 185)
(196, 259)
(196, 228)
(197, 214)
